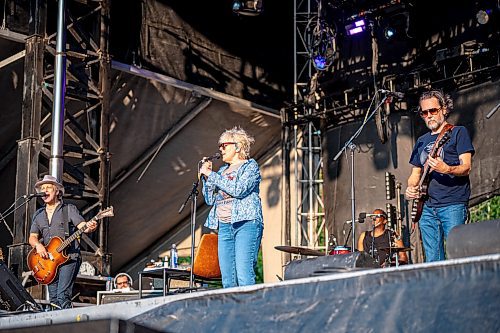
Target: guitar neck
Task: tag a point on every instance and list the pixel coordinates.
(433, 154)
(71, 238)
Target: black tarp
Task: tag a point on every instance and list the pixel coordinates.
(456, 297)
(461, 295)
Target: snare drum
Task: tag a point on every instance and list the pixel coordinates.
(340, 250)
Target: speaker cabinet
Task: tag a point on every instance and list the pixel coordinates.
(326, 265)
(14, 296)
(474, 239)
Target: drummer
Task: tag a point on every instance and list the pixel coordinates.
(378, 241)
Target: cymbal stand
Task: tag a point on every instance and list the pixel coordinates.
(350, 144)
(372, 247)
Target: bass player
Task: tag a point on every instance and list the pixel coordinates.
(48, 222)
(448, 187)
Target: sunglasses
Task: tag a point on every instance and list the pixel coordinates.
(425, 113)
(223, 145)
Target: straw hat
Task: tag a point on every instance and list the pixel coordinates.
(48, 179)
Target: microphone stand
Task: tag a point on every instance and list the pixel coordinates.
(12, 208)
(350, 144)
(372, 250)
(492, 112)
(193, 194)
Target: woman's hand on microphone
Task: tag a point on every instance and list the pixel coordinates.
(206, 168)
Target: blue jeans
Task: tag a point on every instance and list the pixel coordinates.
(435, 225)
(61, 289)
(239, 245)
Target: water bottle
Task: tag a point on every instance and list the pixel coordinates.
(173, 256)
(109, 283)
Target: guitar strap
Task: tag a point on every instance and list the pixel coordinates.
(446, 128)
(66, 220)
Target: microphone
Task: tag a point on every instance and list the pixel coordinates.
(37, 195)
(396, 94)
(215, 156)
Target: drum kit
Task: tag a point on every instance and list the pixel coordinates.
(340, 250)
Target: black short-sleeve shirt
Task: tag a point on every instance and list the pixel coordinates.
(445, 189)
(40, 225)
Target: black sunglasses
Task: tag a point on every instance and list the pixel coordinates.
(425, 113)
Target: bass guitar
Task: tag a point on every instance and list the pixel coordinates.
(45, 270)
(423, 184)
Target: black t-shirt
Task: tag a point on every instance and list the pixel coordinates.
(40, 225)
(379, 242)
(445, 189)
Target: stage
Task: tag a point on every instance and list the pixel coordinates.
(459, 295)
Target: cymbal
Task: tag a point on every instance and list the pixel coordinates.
(299, 250)
(396, 249)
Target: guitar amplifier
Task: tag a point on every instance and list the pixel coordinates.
(327, 265)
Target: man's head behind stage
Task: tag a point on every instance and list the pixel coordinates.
(123, 281)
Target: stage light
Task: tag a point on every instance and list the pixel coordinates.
(391, 215)
(390, 186)
(389, 32)
(483, 16)
(247, 8)
(320, 62)
(356, 27)
(322, 46)
(396, 26)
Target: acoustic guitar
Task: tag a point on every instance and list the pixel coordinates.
(423, 184)
(45, 270)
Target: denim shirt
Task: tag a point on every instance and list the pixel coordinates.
(244, 188)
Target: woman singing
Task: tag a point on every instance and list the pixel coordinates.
(233, 192)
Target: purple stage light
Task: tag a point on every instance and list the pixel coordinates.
(356, 27)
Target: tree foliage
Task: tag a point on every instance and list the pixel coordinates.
(487, 210)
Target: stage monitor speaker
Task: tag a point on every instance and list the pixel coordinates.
(326, 265)
(107, 297)
(473, 239)
(14, 296)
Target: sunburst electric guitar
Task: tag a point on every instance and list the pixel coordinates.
(45, 270)
(423, 184)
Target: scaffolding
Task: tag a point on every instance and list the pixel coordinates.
(85, 166)
(307, 227)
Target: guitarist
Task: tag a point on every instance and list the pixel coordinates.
(448, 192)
(49, 221)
